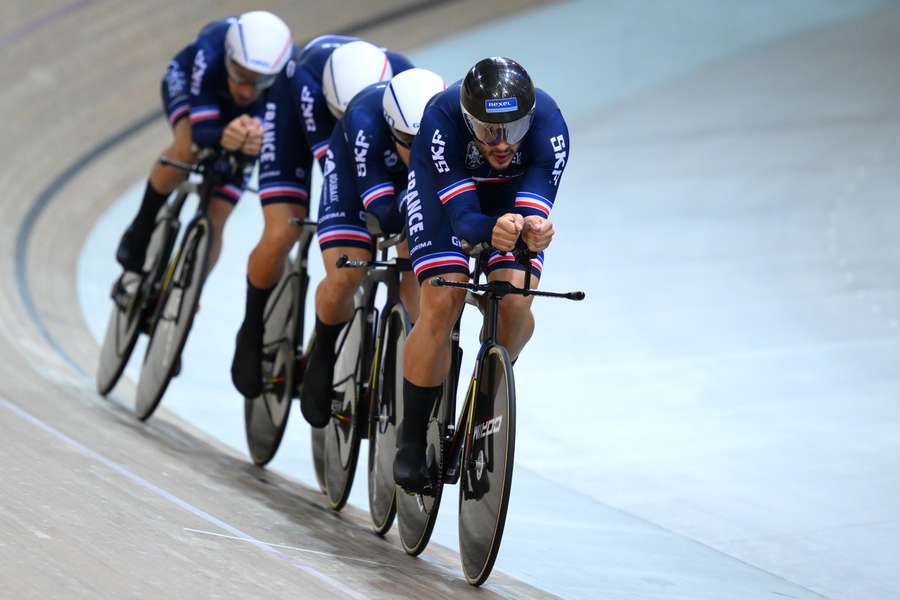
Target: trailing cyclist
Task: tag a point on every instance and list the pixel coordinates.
(214, 93)
(366, 170)
(485, 167)
(322, 80)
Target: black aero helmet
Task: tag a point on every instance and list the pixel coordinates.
(497, 99)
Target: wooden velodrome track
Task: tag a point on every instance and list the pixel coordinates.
(93, 503)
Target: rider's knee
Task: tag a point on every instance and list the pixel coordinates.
(343, 282)
(441, 304)
(280, 236)
(516, 309)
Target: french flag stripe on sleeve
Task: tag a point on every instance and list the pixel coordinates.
(455, 189)
(320, 149)
(534, 202)
(273, 190)
(343, 232)
(443, 259)
(204, 113)
(377, 191)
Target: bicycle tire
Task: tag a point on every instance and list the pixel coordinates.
(178, 305)
(417, 513)
(343, 433)
(123, 327)
(383, 420)
(266, 416)
(487, 464)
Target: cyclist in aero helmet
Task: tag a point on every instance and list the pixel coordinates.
(323, 76)
(365, 173)
(212, 95)
(485, 167)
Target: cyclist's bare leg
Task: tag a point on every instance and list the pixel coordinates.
(426, 357)
(264, 268)
(267, 260)
(218, 212)
(516, 319)
(409, 285)
(164, 178)
(334, 296)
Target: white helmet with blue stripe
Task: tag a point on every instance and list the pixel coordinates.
(349, 69)
(259, 42)
(405, 98)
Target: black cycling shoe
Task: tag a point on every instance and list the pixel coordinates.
(411, 471)
(246, 367)
(317, 392)
(132, 250)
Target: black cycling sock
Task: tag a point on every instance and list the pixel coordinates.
(326, 337)
(150, 205)
(417, 405)
(256, 305)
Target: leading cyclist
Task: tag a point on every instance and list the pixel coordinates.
(365, 173)
(324, 77)
(486, 166)
(213, 94)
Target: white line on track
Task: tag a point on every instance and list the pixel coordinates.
(307, 550)
(183, 504)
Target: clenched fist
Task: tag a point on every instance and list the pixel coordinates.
(538, 233)
(506, 231)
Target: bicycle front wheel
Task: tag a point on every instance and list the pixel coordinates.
(175, 317)
(487, 465)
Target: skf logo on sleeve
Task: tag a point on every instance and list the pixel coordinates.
(501, 105)
(437, 152)
(198, 73)
(360, 150)
(559, 152)
(306, 109)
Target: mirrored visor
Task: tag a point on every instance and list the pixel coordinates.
(494, 133)
(242, 76)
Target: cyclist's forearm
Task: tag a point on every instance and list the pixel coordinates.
(472, 226)
(207, 136)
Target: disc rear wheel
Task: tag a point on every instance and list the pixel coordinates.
(175, 316)
(343, 432)
(383, 421)
(266, 416)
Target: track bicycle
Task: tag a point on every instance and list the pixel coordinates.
(356, 383)
(138, 298)
(478, 450)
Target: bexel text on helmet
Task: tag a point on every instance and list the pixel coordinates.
(198, 72)
(437, 152)
(267, 152)
(559, 151)
(413, 207)
(360, 151)
(306, 109)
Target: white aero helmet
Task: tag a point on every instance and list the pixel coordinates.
(259, 42)
(404, 101)
(349, 69)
